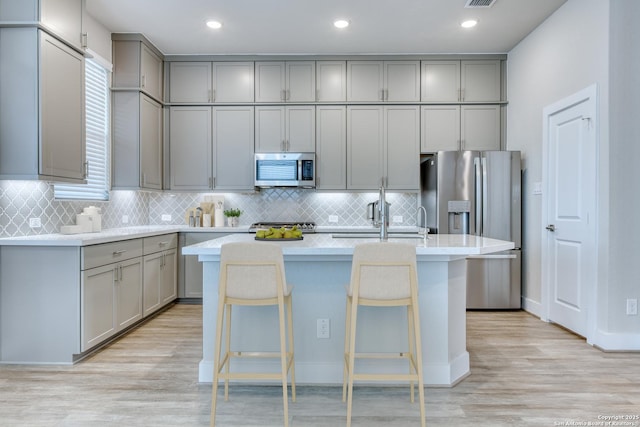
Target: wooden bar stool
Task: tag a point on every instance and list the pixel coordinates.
(252, 274)
(383, 275)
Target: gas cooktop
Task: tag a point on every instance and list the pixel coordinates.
(305, 226)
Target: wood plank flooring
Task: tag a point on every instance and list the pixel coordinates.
(524, 373)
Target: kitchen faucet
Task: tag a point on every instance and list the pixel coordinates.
(382, 209)
(423, 229)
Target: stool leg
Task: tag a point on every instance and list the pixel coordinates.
(216, 360)
(283, 361)
(345, 356)
(291, 348)
(228, 353)
(418, 345)
(411, 338)
(352, 357)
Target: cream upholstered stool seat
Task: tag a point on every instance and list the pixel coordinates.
(252, 274)
(383, 274)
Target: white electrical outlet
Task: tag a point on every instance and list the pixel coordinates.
(125, 219)
(632, 307)
(323, 328)
(398, 219)
(333, 218)
(35, 223)
(166, 217)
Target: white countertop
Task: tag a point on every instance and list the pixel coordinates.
(112, 235)
(326, 244)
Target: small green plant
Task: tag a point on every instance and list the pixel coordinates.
(232, 213)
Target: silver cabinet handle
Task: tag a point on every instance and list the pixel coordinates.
(164, 243)
(144, 80)
(120, 252)
(551, 228)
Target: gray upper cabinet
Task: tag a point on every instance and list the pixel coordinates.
(293, 81)
(211, 148)
(383, 81)
(279, 128)
(206, 82)
(461, 81)
(137, 143)
(60, 17)
(42, 117)
(137, 65)
(331, 81)
(331, 147)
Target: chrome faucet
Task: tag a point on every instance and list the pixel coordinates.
(382, 209)
(424, 230)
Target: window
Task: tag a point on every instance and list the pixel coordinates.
(97, 136)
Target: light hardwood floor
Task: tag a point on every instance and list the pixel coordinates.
(524, 373)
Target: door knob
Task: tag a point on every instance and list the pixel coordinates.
(551, 227)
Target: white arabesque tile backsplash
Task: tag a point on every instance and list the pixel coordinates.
(22, 200)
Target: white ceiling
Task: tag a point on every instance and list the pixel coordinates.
(177, 27)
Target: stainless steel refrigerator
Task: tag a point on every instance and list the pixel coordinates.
(479, 192)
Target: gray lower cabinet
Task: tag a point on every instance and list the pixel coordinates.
(190, 279)
(111, 293)
(159, 272)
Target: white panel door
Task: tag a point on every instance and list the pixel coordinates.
(569, 266)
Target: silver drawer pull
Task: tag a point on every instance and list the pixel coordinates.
(116, 253)
(163, 243)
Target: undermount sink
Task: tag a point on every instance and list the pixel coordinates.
(376, 236)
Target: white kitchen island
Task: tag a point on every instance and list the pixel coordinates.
(318, 267)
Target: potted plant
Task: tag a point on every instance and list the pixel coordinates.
(233, 217)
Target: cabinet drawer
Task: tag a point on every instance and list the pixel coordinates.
(159, 243)
(107, 253)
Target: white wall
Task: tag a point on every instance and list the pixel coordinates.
(624, 144)
(565, 54)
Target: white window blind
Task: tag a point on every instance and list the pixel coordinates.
(97, 136)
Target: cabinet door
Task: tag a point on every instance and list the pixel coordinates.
(190, 147)
(62, 119)
(440, 81)
(233, 82)
(365, 81)
(150, 72)
(128, 293)
(169, 284)
(440, 128)
(402, 81)
(233, 148)
(150, 143)
(364, 147)
(331, 147)
(480, 81)
(269, 129)
(190, 82)
(97, 311)
(301, 129)
(64, 17)
(270, 81)
(402, 147)
(331, 79)
(152, 280)
(480, 127)
(300, 81)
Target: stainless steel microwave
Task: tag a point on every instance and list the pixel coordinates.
(285, 170)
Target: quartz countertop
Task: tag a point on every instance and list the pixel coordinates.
(112, 235)
(326, 244)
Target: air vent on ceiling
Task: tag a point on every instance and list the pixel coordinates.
(479, 3)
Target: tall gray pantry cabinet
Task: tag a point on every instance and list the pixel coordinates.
(42, 120)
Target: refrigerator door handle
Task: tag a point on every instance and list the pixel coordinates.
(492, 257)
(478, 196)
(485, 192)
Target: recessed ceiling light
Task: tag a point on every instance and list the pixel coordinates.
(214, 24)
(341, 23)
(469, 24)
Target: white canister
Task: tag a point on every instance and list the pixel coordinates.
(218, 221)
(85, 222)
(206, 220)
